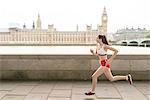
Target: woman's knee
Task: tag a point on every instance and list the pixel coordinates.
(111, 79)
(94, 77)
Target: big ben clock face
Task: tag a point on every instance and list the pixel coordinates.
(104, 18)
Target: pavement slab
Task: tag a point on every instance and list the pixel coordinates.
(128, 92)
(36, 97)
(73, 90)
(13, 97)
(60, 93)
(107, 93)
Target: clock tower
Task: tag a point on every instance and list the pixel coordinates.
(104, 22)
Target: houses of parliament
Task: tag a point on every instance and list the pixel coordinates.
(50, 36)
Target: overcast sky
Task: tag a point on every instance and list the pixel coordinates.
(66, 14)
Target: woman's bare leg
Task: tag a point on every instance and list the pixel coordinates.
(109, 76)
(97, 73)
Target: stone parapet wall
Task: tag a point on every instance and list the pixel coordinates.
(69, 67)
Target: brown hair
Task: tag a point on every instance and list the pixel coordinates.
(104, 40)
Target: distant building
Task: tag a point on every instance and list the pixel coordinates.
(130, 34)
(40, 36)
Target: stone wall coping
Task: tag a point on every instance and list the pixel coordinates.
(68, 50)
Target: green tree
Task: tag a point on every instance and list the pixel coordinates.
(148, 35)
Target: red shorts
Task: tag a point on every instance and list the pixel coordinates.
(104, 62)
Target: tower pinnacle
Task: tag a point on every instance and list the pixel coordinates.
(38, 23)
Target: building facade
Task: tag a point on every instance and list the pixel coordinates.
(130, 34)
(37, 35)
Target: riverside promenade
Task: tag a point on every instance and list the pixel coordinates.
(73, 90)
(64, 73)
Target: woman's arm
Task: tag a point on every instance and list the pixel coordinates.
(114, 54)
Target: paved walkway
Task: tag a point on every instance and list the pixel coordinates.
(73, 90)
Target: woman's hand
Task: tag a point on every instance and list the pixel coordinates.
(92, 51)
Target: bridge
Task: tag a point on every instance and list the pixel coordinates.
(135, 42)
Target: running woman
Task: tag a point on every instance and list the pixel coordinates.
(101, 51)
